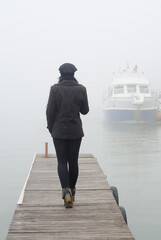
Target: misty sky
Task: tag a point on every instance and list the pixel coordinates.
(98, 36)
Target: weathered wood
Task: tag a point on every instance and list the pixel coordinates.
(81, 155)
(41, 215)
(52, 198)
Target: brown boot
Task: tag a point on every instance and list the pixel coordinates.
(66, 194)
(73, 191)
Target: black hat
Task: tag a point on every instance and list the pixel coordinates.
(67, 69)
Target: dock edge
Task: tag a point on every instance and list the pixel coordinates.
(21, 197)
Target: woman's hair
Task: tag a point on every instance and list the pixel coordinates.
(62, 78)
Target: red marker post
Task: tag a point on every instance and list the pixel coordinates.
(46, 150)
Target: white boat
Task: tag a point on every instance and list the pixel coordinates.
(129, 98)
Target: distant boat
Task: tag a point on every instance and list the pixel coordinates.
(129, 98)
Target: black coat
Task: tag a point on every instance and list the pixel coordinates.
(67, 100)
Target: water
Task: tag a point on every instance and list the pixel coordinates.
(129, 154)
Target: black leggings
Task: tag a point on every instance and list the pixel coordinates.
(67, 151)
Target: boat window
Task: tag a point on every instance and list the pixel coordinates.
(118, 90)
(144, 89)
(131, 88)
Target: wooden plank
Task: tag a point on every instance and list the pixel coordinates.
(81, 155)
(82, 217)
(95, 214)
(54, 160)
(48, 198)
(87, 227)
(67, 236)
(55, 184)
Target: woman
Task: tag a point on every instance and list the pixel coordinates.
(67, 100)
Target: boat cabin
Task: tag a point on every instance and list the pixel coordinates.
(128, 89)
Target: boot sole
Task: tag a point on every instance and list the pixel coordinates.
(68, 205)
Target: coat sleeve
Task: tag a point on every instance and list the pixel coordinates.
(84, 106)
(51, 110)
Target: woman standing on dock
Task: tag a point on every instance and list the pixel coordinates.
(67, 100)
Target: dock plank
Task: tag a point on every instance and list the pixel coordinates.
(41, 215)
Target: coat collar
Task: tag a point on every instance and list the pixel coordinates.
(68, 83)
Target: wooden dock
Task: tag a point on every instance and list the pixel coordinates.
(40, 213)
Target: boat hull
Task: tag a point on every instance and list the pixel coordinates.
(125, 115)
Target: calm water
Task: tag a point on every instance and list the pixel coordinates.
(130, 156)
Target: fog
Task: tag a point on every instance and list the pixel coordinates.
(36, 37)
(97, 36)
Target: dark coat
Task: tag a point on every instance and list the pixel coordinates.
(67, 100)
